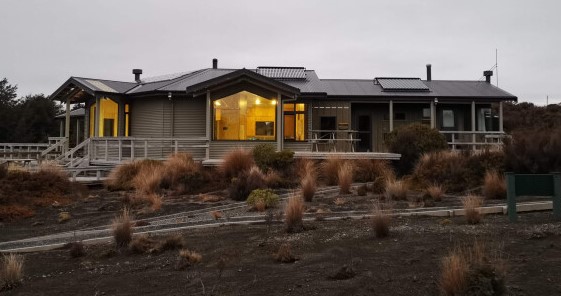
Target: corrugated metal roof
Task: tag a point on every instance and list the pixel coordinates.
(282, 72)
(401, 84)
(80, 112)
(106, 85)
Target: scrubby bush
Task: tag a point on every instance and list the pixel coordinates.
(149, 177)
(330, 170)
(266, 158)
(471, 271)
(76, 249)
(472, 211)
(122, 229)
(284, 254)
(188, 258)
(374, 171)
(494, 186)
(457, 172)
(236, 162)
(266, 196)
(345, 177)
(534, 151)
(396, 190)
(245, 183)
(412, 141)
(182, 173)
(12, 271)
(380, 222)
(308, 177)
(293, 214)
(433, 192)
(122, 176)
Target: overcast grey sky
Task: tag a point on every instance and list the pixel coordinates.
(46, 42)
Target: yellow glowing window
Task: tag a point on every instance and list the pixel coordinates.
(294, 122)
(244, 116)
(108, 118)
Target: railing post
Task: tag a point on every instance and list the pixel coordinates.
(120, 150)
(511, 196)
(132, 149)
(176, 144)
(556, 196)
(106, 150)
(145, 149)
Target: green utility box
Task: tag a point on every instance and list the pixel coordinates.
(533, 185)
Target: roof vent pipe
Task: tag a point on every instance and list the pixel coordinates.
(488, 75)
(214, 63)
(137, 73)
(429, 72)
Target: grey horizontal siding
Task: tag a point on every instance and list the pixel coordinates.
(189, 118)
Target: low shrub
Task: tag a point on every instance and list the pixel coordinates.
(375, 171)
(265, 196)
(471, 205)
(245, 183)
(149, 178)
(122, 176)
(170, 242)
(471, 271)
(330, 170)
(182, 173)
(142, 244)
(534, 151)
(284, 254)
(434, 192)
(494, 186)
(12, 271)
(412, 141)
(188, 258)
(293, 214)
(122, 229)
(236, 162)
(3, 170)
(266, 158)
(396, 190)
(380, 222)
(345, 177)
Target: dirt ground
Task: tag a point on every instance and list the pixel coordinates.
(237, 260)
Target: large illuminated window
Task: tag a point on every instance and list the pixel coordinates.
(108, 118)
(244, 116)
(294, 122)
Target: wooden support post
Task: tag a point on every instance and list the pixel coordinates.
(279, 122)
(61, 129)
(132, 149)
(501, 117)
(77, 131)
(67, 126)
(209, 122)
(473, 124)
(87, 121)
(391, 116)
(121, 118)
(97, 115)
(557, 196)
(145, 149)
(106, 150)
(120, 150)
(432, 115)
(511, 196)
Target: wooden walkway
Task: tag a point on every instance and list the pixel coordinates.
(347, 155)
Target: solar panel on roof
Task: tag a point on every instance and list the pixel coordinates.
(283, 72)
(402, 84)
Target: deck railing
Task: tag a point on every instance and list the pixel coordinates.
(35, 151)
(474, 140)
(118, 149)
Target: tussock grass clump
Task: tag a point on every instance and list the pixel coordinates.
(217, 214)
(188, 258)
(53, 168)
(149, 177)
(472, 204)
(374, 171)
(284, 254)
(182, 173)
(12, 271)
(236, 162)
(76, 249)
(122, 176)
(362, 190)
(434, 192)
(245, 183)
(309, 181)
(142, 244)
(494, 186)
(345, 177)
(380, 222)
(330, 170)
(396, 190)
(122, 229)
(471, 271)
(293, 214)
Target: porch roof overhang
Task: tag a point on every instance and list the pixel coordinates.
(242, 76)
(74, 90)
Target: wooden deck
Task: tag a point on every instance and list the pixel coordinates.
(347, 155)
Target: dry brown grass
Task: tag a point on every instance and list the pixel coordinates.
(76, 249)
(396, 190)
(330, 170)
(260, 205)
(122, 229)
(177, 166)
(121, 177)
(273, 179)
(472, 204)
(362, 190)
(345, 177)
(217, 215)
(12, 271)
(149, 178)
(188, 258)
(155, 201)
(374, 171)
(339, 201)
(51, 167)
(293, 214)
(494, 185)
(235, 162)
(309, 181)
(435, 192)
(284, 254)
(380, 222)
(142, 244)
(472, 271)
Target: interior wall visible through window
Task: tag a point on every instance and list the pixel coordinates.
(244, 116)
(294, 122)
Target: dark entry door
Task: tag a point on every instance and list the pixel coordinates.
(327, 124)
(364, 128)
